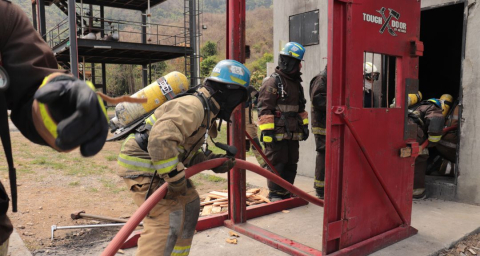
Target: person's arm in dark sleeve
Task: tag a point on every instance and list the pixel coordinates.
(318, 92)
(267, 101)
(28, 60)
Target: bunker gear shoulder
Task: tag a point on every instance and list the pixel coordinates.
(176, 136)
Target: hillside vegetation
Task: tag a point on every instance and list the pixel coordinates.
(126, 79)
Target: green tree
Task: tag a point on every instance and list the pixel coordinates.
(207, 65)
(209, 49)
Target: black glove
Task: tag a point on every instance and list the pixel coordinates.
(306, 132)
(79, 113)
(226, 166)
(177, 185)
(247, 145)
(268, 136)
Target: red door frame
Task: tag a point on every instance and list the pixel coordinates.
(369, 187)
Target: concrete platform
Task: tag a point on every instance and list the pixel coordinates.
(440, 224)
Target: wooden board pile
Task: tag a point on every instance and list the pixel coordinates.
(217, 201)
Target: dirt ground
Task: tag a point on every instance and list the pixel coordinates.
(52, 185)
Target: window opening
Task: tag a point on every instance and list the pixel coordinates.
(304, 28)
(379, 80)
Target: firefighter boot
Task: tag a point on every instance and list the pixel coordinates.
(320, 193)
(289, 175)
(276, 192)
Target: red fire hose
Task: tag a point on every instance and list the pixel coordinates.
(158, 195)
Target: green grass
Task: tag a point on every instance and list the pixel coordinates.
(211, 178)
(111, 157)
(74, 183)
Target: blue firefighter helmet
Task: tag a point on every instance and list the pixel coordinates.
(294, 50)
(436, 102)
(231, 72)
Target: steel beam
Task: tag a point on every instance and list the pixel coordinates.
(42, 27)
(134, 46)
(72, 25)
(236, 132)
(104, 79)
(34, 15)
(194, 60)
(144, 41)
(102, 18)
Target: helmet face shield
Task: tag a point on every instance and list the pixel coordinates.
(372, 76)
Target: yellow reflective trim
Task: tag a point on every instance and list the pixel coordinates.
(319, 131)
(267, 139)
(279, 136)
(434, 138)
(299, 46)
(294, 54)
(319, 183)
(151, 120)
(238, 80)
(180, 251)
(166, 166)
(48, 121)
(268, 126)
(305, 121)
(135, 163)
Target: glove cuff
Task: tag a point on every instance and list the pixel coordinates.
(175, 177)
(44, 124)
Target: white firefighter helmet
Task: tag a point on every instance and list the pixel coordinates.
(369, 68)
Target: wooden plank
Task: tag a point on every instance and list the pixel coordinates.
(207, 210)
(216, 209)
(220, 203)
(222, 194)
(253, 190)
(213, 201)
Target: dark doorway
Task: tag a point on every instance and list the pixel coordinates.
(441, 31)
(440, 72)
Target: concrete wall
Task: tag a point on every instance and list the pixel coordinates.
(468, 189)
(313, 64)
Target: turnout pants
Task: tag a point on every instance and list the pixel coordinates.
(420, 170)
(170, 225)
(284, 157)
(319, 183)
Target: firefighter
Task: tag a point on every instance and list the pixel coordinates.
(318, 97)
(170, 142)
(370, 75)
(250, 126)
(282, 117)
(429, 119)
(47, 105)
(447, 146)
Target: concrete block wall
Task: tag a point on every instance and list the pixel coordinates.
(313, 64)
(468, 189)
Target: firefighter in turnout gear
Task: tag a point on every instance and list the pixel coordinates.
(318, 97)
(430, 121)
(48, 106)
(282, 117)
(170, 141)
